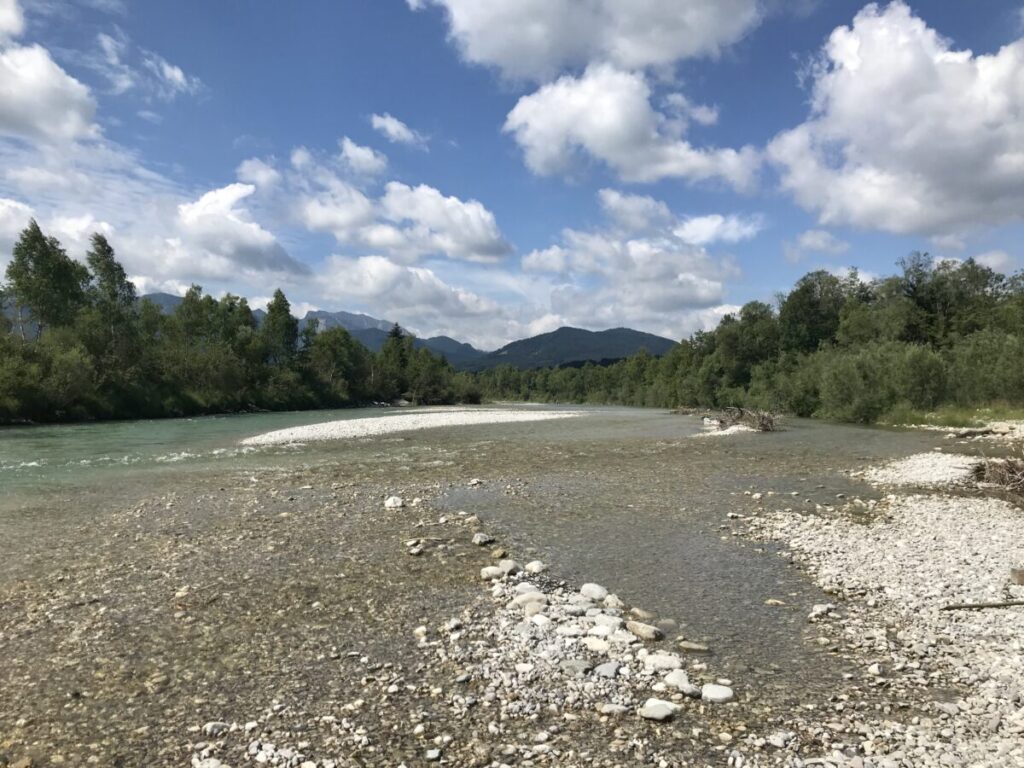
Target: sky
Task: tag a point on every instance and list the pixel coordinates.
(494, 169)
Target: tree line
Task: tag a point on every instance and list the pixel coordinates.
(938, 334)
(77, 343)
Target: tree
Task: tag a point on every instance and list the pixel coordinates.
(111, 289)
(809, 315)
(280, 331)
(44, 280)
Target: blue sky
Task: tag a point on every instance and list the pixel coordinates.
(491, 170)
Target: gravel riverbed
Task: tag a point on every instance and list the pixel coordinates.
(348, 615)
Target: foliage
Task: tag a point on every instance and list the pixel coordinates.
(82, 346)
(935, 336)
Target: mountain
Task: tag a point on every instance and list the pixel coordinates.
(455, 352)
(347, 320)
(573, 345)
(167, 302)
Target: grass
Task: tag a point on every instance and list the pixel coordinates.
(954, 415)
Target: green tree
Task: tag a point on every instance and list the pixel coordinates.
(280, 331)
(44, 281)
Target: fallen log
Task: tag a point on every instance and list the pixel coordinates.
(980, 606)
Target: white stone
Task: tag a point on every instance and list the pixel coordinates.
(393, 502)
(535, 566)
(662, 661)
(716, 694)
(658, 709)
(593, 591)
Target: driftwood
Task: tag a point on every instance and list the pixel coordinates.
(980, 606)
(974, 432)
(762, 421)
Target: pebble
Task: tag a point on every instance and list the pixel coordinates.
(215, 728)
(482, 539)
(393, 502)
(657, 709)
(716, 694)
(644, 631)
(678, 679)
(690, 647)
(594, 591)
(535, 566)
(609, 669)
(662, 661)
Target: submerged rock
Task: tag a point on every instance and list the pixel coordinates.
(644, 631)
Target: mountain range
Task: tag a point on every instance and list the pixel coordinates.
(565, 346)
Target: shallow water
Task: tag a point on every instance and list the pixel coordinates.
(629, 498)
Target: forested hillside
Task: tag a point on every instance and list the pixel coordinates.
(77, 344)
(947, 333)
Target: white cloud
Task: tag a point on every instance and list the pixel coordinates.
(814, 241)
(12, 20)
(219, 227)
(362, 160)
(635, 213)
(127, 67)
(170, 80)
(655, 280)
(14, 217)
(998, 261)
(535, 39)
(414, 296)
(257, 172)
(606, 113)
(907, 134)
(397, 132)
(405, 223)
(714, 228)
(338, 208)
(39, 100)
(462, 229)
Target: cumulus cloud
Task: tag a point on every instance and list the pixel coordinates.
(397, 132)
(606, 114)
(535, 39)
(814, 241)
(414, 296)
(14, 216)
(639, 272)
(223, 231)
(715, 228)
(462, 229)
(362, 160)
(635, 213)
(405, 223)
(39, 100)
(906, 133)
(257, 172)
(996, 260)
(12, 20)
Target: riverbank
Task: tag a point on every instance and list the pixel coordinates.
(488, 595)
(906, 575)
